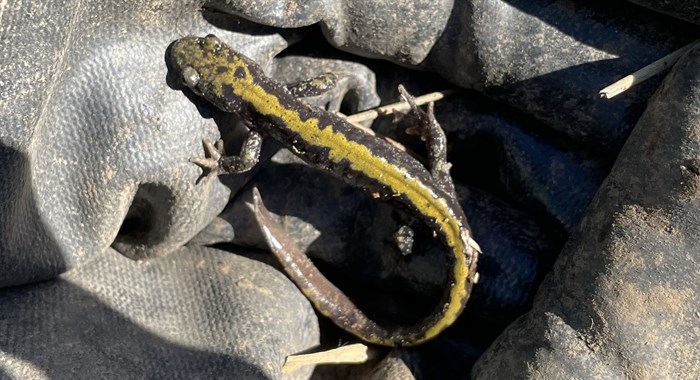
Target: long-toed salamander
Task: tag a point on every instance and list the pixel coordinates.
(234, 83)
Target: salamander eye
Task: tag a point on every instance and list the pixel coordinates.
(213, 41)
(190, 77)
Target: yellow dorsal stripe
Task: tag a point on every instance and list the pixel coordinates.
(362, 160)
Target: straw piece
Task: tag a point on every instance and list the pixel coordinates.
(644, 73)
(350, 354)
(399, 106)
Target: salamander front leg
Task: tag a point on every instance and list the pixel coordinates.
(218, 163)
(314, 86)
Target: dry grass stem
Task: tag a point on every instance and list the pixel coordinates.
(644, 73)
(350, 354)
(399, 106)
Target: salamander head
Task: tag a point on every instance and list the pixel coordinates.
(213, 70)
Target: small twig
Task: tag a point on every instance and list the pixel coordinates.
(350, 354)
(389, 109)
(400, 106)
(644, 73)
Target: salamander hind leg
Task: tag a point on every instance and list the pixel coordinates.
(424, 125)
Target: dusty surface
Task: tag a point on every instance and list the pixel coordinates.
(623, 299)
(96, 137)
(199, 313)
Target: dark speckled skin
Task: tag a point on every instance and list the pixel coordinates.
(234, 83)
